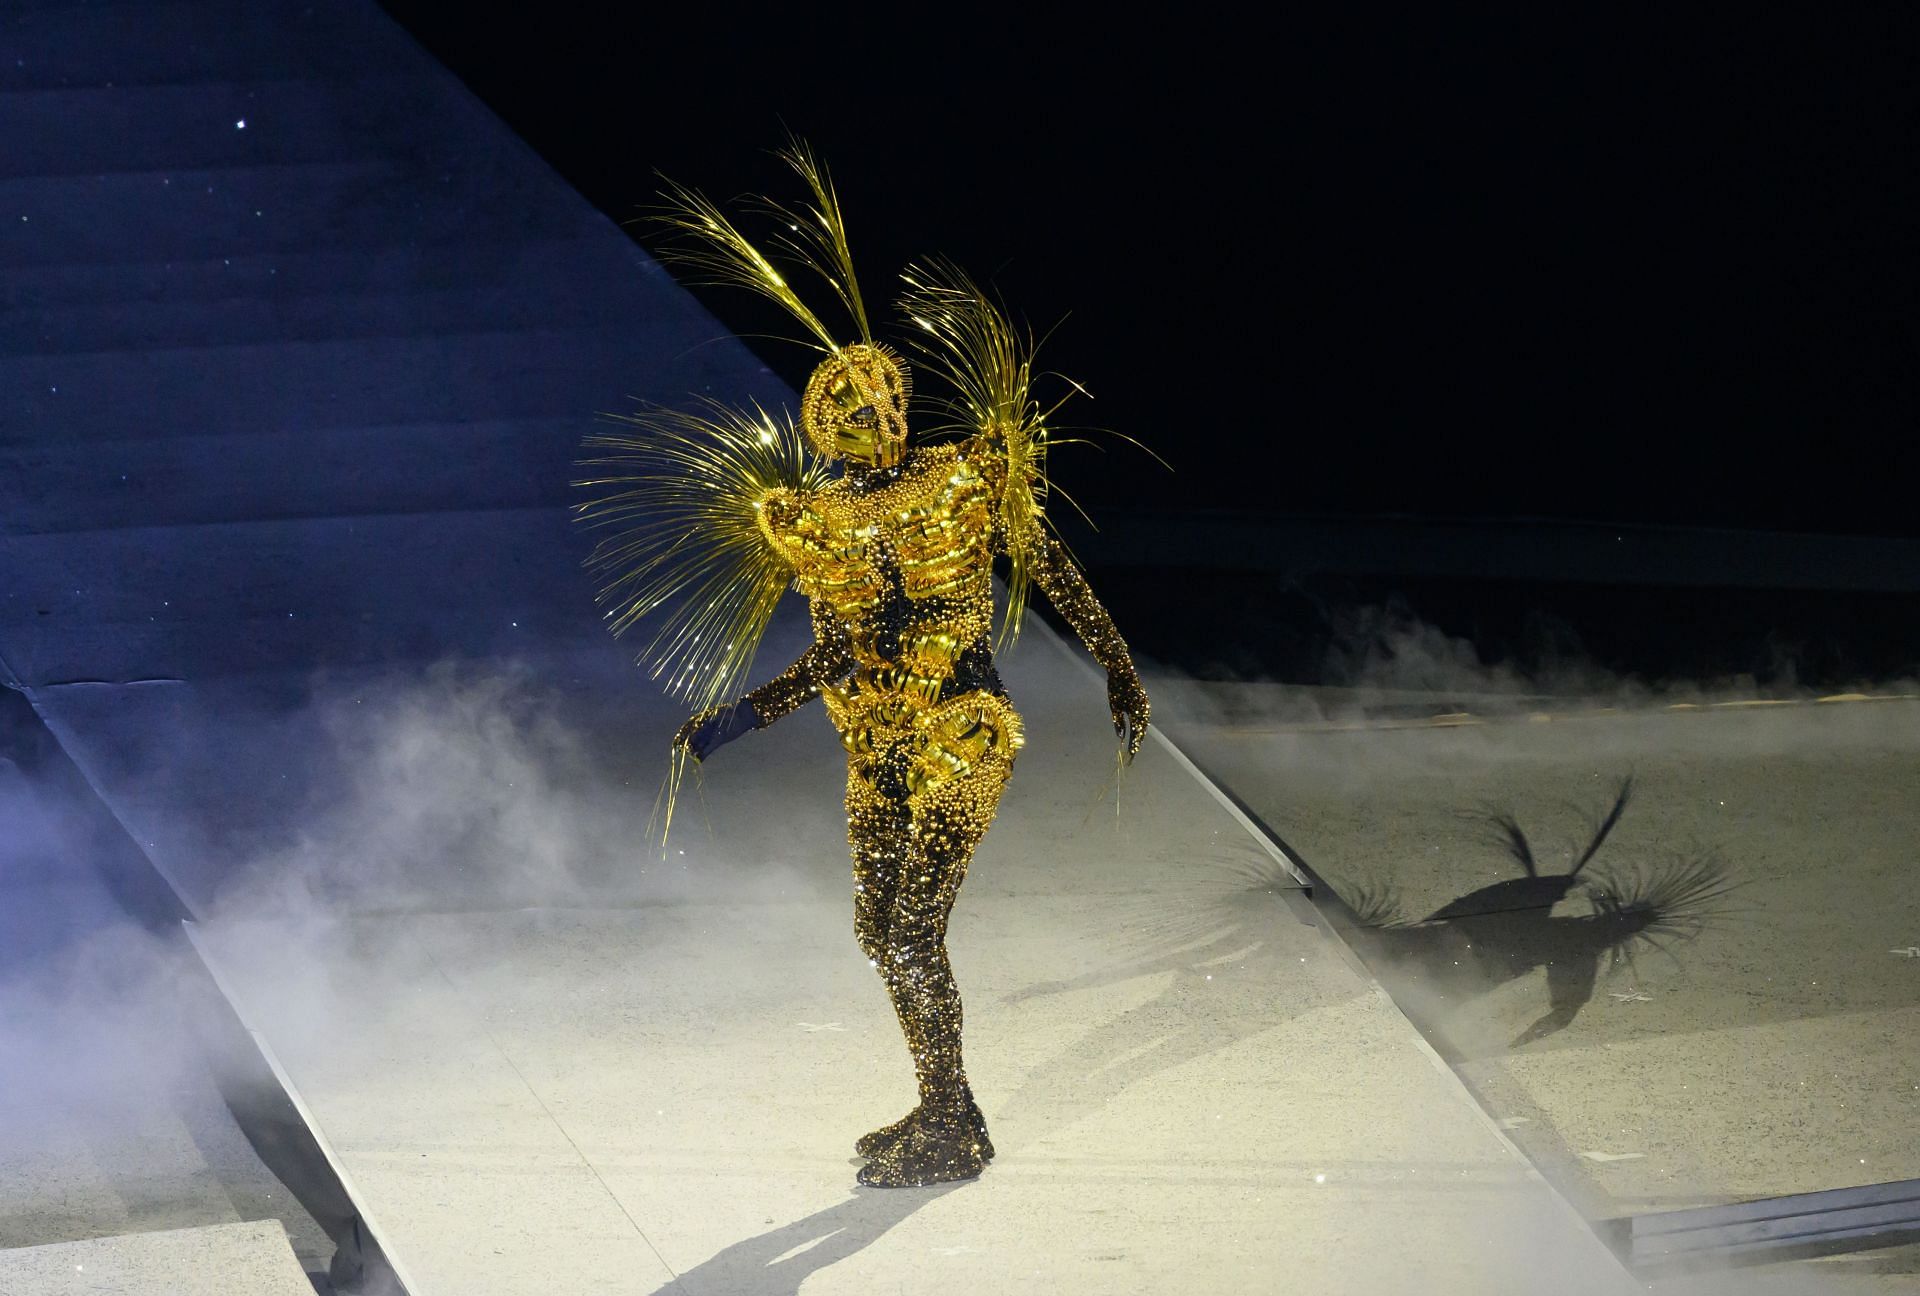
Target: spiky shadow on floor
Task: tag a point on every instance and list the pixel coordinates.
(1574, 925)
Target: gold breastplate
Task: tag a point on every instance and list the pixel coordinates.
(925, 537)
(933, 526)
(942, 539)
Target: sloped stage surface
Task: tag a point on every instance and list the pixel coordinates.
(1190, 1085)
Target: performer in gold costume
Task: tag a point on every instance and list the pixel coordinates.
(724, 509)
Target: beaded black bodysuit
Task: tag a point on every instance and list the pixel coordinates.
(896, 559)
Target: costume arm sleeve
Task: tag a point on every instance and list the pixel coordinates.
(830, 657)
(1067, 589)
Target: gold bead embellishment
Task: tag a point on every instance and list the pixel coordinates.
(895, 556)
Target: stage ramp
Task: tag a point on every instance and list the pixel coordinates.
(1190, 1083)
(303, 347)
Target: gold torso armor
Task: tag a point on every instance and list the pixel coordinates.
(906, 569)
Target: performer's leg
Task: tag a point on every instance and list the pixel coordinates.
(946, 1140)
(877, 832)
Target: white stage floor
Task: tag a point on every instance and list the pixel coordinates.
(1191, 1086)
(1768, 1054)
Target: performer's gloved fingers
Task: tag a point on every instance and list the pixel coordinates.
(702, 733)
(714, 733)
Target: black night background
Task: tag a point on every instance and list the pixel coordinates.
(1650, 273)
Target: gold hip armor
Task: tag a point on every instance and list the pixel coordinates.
(894, 729)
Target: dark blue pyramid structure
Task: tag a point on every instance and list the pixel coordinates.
(299, 344)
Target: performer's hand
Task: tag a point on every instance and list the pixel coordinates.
(715, 727)
(1127, 699)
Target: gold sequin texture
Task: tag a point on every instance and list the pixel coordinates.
(898, 565)
(896, 559)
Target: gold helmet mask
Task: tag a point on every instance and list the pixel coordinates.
(855, 405)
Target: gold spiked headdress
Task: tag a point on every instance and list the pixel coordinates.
(686, 486)
(703, 238)
(856, 400)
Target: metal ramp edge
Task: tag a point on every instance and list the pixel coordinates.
(366, 1229)
(1317, 905)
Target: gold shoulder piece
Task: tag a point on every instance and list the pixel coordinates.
(986, 454)
(967, 338)
(781, 514)
(682, 496)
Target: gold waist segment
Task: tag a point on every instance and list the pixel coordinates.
(891, 715)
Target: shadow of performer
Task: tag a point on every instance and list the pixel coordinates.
(1501, 932)
(777, 1262)
(1225, 919)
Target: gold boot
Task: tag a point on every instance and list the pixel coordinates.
(935, 1149)
(887, 1135)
